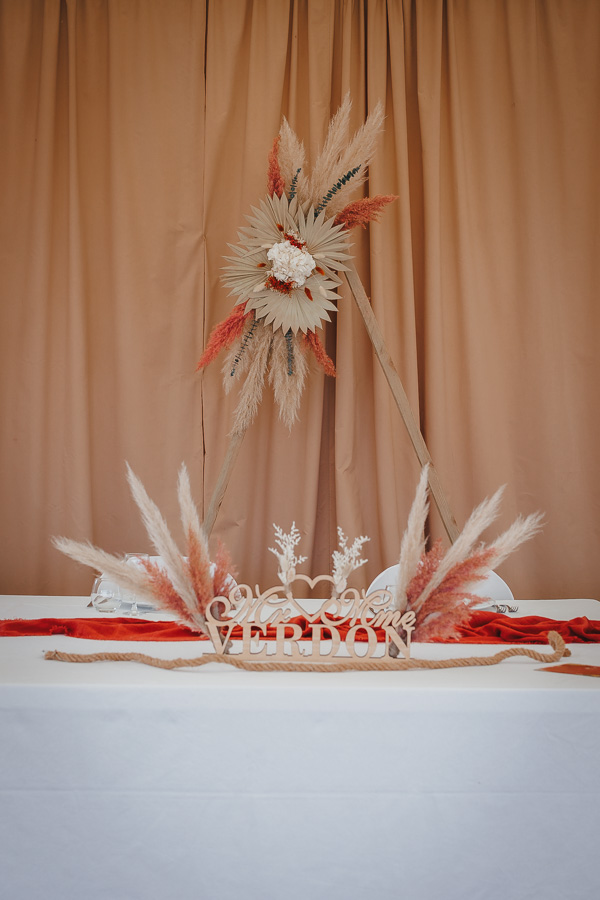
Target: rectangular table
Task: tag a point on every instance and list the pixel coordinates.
(122, 781)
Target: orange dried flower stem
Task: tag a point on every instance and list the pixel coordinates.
(275, 182)
(312, 340)
(224, 334)
(361, 212)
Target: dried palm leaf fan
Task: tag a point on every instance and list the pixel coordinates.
(285, 272)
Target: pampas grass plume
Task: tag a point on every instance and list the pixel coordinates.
(224, 334)
(117, 569)
(326, 169)
(412, 547)
(361, 212)
(287, 389)
(252, 389)
(480, 519)
(162, 541)
(522, 529)
(291, 158)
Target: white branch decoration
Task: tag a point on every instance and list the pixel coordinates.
(346, 560)
(286, 555)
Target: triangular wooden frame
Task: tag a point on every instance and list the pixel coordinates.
(400, 398)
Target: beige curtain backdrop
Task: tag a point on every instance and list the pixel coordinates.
(135, 136)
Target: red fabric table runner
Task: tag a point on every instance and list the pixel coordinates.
(483, 628)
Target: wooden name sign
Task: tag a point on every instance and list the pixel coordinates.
(275, 609)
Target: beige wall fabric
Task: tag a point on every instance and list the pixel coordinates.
(135, 139)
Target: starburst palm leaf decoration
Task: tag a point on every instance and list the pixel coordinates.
(284, 271)
(302, 303)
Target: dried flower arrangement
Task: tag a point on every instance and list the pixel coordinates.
(284, 271)
(286, 555)
(183, 585)
(346, 560)
(436, 584)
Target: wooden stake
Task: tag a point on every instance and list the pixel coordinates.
(399, 394)
(235, 442)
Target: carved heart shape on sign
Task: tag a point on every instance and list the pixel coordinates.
(260, 605)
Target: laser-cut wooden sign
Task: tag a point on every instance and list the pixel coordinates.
(275, 608)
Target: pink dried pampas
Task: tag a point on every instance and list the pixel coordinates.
(224, 574)
(437, 584)
(224, 334)
(275, 182)
(361, 212)
(183, 586)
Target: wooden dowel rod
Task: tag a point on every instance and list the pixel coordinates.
(235, 442)
(399, 394)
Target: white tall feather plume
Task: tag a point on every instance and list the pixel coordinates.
(291, 158)
(480, 519)
(129, 577)
(326, 166)
(287, 388)
(164, 544)
(522, 529)
(190, 519)
(413, 540)
(361, 148)
(252, 389)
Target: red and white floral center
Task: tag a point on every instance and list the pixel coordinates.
(291, 263)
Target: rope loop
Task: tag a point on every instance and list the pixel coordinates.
(367, 665)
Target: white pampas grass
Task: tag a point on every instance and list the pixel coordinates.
(361, 148)
(252, 389)
(480, 519)
(437, 585)
(412, 547)
(291, 157)
(326, 169)
(123, 573)
(163, 542)
(179, 585)
(190, 520)
(287, 387)
(522, 529)
(341, 155)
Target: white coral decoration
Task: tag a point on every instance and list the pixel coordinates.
(346, 559)
(287, 558)
(290, 264)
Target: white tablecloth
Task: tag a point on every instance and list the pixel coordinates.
(120, 781)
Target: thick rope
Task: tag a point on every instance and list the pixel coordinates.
(377, 665)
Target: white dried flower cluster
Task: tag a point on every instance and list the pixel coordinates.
(286, 555)
(290, 263)
(346, 559)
